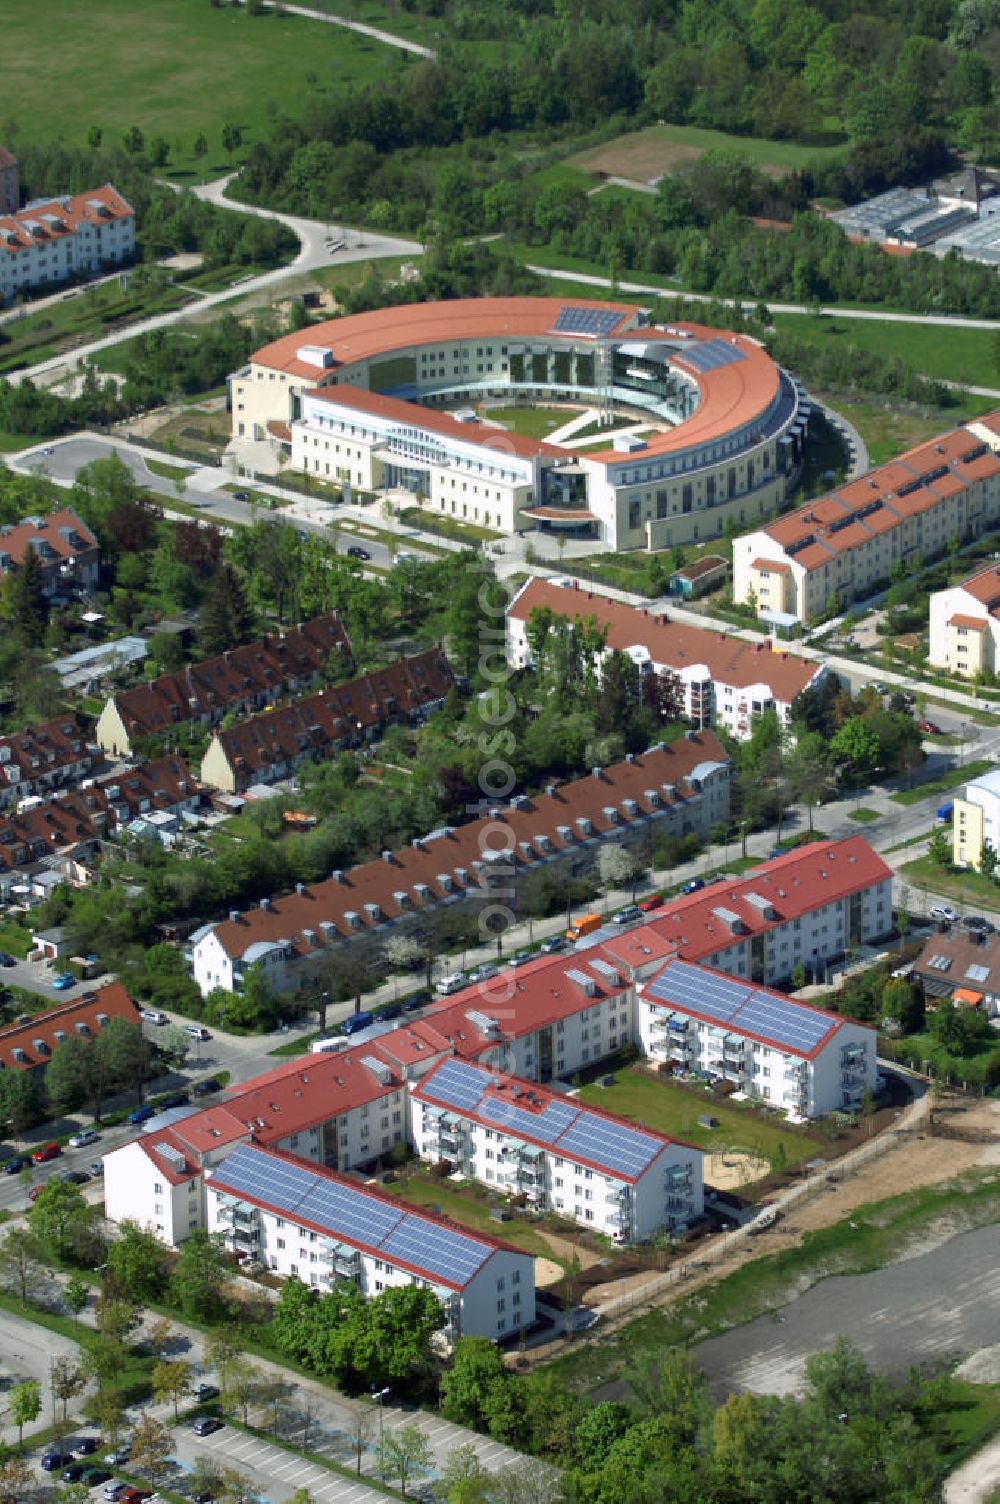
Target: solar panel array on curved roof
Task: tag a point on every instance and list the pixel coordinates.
(571, 319)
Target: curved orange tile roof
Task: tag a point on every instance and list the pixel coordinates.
(730, 395)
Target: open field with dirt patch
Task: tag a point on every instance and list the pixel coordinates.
(662, 149)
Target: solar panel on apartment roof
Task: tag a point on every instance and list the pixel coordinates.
(546, 1126)
(617, 1146)
(249, 1173)
(458, 1085)
(442, 1252)
(740, 1005)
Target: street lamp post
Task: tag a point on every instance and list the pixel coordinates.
(381, 1395)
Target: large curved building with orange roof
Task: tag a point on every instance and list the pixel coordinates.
(707, 431)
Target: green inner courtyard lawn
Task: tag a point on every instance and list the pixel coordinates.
(673, 1109)
(467, 1205)
(172, 70)
(530, 422)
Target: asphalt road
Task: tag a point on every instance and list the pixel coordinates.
(60, 462)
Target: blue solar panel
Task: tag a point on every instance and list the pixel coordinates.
(598, 322)
(615, 1146)
(740, 1005)
(459, 1085)
(710, 354)
(350, 1215)
(545, 1126)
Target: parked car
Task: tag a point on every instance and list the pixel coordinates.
(203, 1392)
(693, 885)
(74, 1472)
(417, 1000)
(86, 1446)
(45, 1153)
(929, 728)
(626, 915)
(54, 1462)
(75, 1177)
(142, 1114)
(552, 944)
(206, 1425)
(114, 1489)
(153, 1016)
(206, 1088)
(453, 983)
(357, 1022)
(16, 1165)
(197, 1031)
(6, 959)
(176, 1099)
(357, 552)
(647, 905)
(64, 980)
(520, 958)
(135, 1496)
(92, 1476)
(118, 1456)
(84, 1137)
(943, 911)
(390, 1011)
(241, 495)
(482, 973)
(96, 1168)
(977, 925)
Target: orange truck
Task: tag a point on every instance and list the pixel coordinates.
(583, 926)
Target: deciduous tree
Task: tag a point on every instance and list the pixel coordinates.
(25, 1406)
(402, 1452)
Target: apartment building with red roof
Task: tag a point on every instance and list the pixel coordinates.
(726, 681)
(679, 787)
(30, 1046)
(242, 680)
(10, 182)
(965, 625)
(846, 545)
(53, 240)
(272, 746)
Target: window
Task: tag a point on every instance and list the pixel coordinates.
(157, 1188)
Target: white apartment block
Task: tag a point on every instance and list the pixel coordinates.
(850, 543)
(296, 1220)
(965, 625)
(52, 240)
(976, 820)
(599, 1171)
(725, 681)
(767, 1046)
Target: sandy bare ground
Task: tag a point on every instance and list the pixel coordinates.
(733, 1171)
(547, 1272)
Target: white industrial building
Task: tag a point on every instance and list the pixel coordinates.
(296, 1219)
(766, 1045)
(604, 1173)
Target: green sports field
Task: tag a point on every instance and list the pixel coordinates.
(171, 67)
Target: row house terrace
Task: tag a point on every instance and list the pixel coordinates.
(606, 1174)
(30, 1046)
(725, 681)
(48, 756)
(273, 746)
(241, 681)
(680, 787)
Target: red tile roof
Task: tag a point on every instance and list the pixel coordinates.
(45, 1027)
(728, 660)
(55, 746)
(984, 587)
(451, 861)
(907, 486)
(272, 666)
(55, 538)
(972, 623)
(52, 219)
(482, 435)
(731, 395)
(335, 717)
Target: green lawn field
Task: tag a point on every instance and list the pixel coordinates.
(888, 433)
(968, 356)
(529, 422)
(674, 1110)
(171, 69)
(659, 149)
